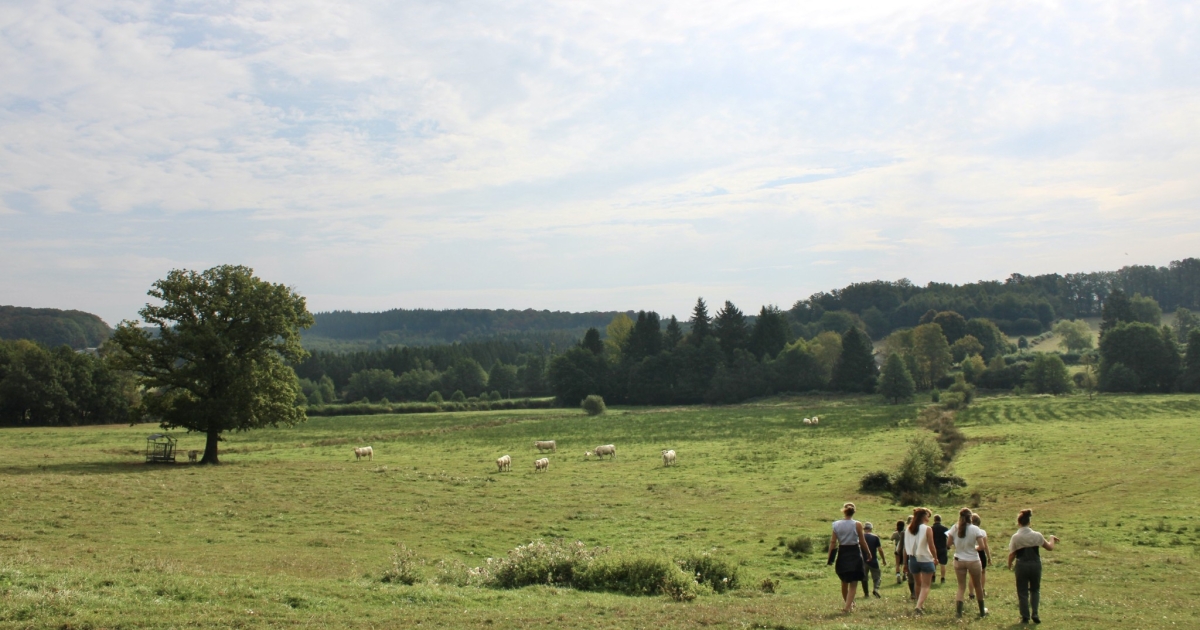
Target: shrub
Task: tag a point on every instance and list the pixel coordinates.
(494, 396)
(435, 397)
(1048, 375)
(540, 562)
(918, 472)
(800, 545)
(637, 574)
(878, 481)
(720, 574)
(458, 396)
(404, 569)
(768, 585)
(593, 405)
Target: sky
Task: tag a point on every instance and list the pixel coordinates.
(588, 156)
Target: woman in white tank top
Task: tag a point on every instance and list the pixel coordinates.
(920, 555)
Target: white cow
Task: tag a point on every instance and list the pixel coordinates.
(504, 463)
(192, 455)
(541, 464)
(601, 451)
(546, 445)
(364, 451)
(668, 458)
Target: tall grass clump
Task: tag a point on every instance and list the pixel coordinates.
(718, 573)
(405, 567)
(593, 405)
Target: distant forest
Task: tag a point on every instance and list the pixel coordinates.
(746, 359)
(425, 327)
(894, 338)
(53, 327)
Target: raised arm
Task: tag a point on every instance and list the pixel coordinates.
(1049, 544)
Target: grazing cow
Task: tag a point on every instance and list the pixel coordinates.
(816, 420)
(504, 463)
(808, 421)
(541, 464)
(546, 445)
(601, 451)
(192, 455)
(668, 458)
(364, 451)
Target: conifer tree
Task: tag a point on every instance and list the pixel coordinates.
(700, 322)
(673, 334)
(591, 341)
(770, 334)
(729, 326)
(855, 370)
(895, 382)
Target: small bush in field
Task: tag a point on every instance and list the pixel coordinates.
(405, 567)
(637, 574)
(435, 397)
(720, 574)
(800, 545)
(593, 405)
(878, 481)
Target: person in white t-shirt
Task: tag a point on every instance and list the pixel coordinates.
(985, 557)
(965, 538)
(920, 555)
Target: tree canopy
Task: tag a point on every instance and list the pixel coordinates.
(214, 357)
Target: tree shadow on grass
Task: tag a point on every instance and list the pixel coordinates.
(92, 468)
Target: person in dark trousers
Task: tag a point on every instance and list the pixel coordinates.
(939, 542)
(849, 546)
(1023, 548)
(876, 574)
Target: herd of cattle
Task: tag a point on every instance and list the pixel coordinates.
(504, 462)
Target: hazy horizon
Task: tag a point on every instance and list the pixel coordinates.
(577, 158)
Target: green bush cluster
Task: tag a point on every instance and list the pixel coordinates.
(593, 405)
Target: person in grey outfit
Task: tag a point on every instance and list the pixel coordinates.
(1024, 550)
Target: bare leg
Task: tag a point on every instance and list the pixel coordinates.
(848, 593)
(924, 580)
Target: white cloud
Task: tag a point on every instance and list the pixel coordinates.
(381, 154)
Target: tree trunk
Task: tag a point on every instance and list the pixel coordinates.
(210, 447)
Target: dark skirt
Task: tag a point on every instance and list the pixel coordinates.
(850, 566)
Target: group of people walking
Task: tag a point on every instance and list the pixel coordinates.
(919, 549)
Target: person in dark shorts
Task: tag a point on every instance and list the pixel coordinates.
(849, 546)
(1024, 549)
(939, 542)
(875, 573)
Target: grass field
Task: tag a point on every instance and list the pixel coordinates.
(291, 531)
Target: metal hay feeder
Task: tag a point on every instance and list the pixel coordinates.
(160, 449)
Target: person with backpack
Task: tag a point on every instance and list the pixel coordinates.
(1023, 548)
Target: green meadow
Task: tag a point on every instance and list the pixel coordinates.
(291, 531)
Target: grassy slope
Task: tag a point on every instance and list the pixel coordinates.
(291, 531)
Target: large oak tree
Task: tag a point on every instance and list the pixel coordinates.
(213, 357)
